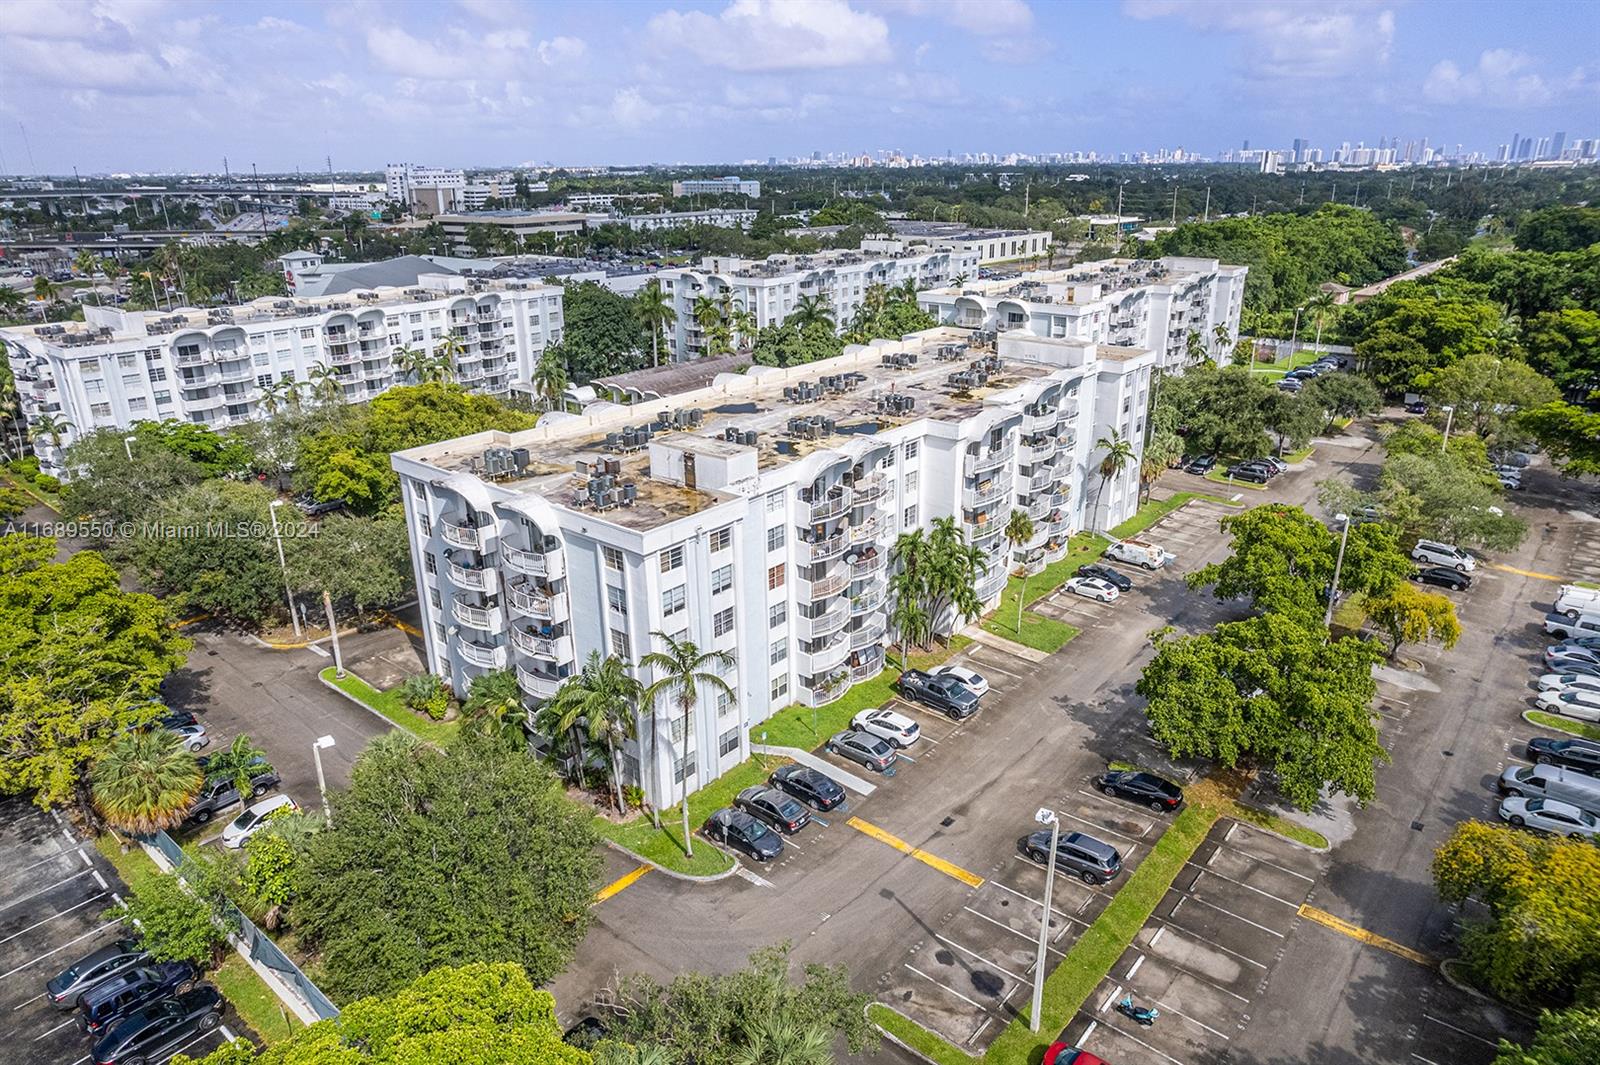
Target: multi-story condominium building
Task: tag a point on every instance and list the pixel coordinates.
(1153, 304)
(991, 245)
(426, 189)
(215, 367)
(757, 515)
(729, 218)
(771, 288)
(722, 186)
(502, 187)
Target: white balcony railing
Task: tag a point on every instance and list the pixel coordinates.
(824, 624)
(868, 490)
(477, 580)
(536, 604)
(550, 648)
(866, 531)
(831, 505)
(550, 565)
(867, 670)
(822, 587)
(983, 494)
(484, 619)
(863, 568)
(1039, 422)
(538, 685)
(867, 601)
(989, 460)
(829, 656)
(481, 654)
(868, 634)
(832, 547)
(459, 533)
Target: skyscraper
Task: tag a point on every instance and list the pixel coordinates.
(1558, 143)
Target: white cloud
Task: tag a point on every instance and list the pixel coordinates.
(985, 17)
(1295, 41)
(457, 55)
(756, 35)
(1501, 78)
(630, 109)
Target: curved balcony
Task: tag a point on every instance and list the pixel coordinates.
(482, 618)
(868, 669)
(991, 460)
(1040, 421)
(459, 532)
(869, 633)
(530, 602)
(551, 565)
(825, 690)
(192, 358)
(822, 587)
(831, 505)
(868, 490)
(984, 494)
(827, 623)
(481, 654)
(1056, 552)
(475, 580)
(1041, 478)
(538, 685)
(872, 564)
(1032, 453)
(991, 584)
(829, 656)
(1040, 508)
(550, 648)
(343, 354)
(1033, 566)
(865, 532)
(832, 547)
(867, 602)
(981, 532)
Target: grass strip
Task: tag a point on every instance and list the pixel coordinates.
(1221, 477)
(1563, 724)
(389, 705)
(21, 484)
(917, 1037)
(1271, 822)
(1157, 509)
(1038, 632)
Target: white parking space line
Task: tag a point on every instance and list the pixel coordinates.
(1462, 1031)
(41, 861)
(1113, 804)
(43, 890)
(1425, 1061)
(1013, 931)
(46, 1034)
(1230, 913)
(58, 950)
(1132, 843)
(983, 665)
(52, 917)
(1188, 1018)
(1208, 942)
(948, 988)
(1141, 1042)
(1212, 872)
(1137, 962)
(26, 1001)
(1030, 898)
(186, 1046)
(977, 956)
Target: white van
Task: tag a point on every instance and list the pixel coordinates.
(1572, 600)
(1563, 627)
(1139, 553)
(1553, 782)
(1437, 554)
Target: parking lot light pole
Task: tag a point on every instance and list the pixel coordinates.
(1338, 564)
(1045, 817)
(127, 446)
(294, 619)
(322, 782)
(1449, 416)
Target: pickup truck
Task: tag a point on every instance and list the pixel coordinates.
(1139, 553)
(942, 693)
(1573, 600)
(219, 793)
(1562, 627)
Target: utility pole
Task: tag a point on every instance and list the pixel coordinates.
(1207, 215)
(1302, 194)
(1174, 205)
(1357, 201)
(261, 207)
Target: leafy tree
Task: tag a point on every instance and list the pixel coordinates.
(1272, 692)
(359, 479)
(890, 313)
(794, 344)
(144, 781)
(210, 547)
(1564, 345)
(494, 706)
(108, 484)
(1294, 420)
(362, 562)
(656, 314)
(425, 693)
(481, 1013)
(83, 662)
(445, 857)
(13, 501)
(1485, 391)
(1412, 336)
(601, 332)
(269, 870)
(1221, 411)
(239, 762)
(1406, 614)
(1571, 436)
(681, 670)
(1341, 395)
(1559, 228)
(1541, 939)
(1443, 497)
(1565, 1037)
(717, 1019)
(178, 923)
(1119, 454)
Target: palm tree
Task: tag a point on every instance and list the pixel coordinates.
(240, 761)
(44, 289)
(1019, 530)
(411, 362)
(494, 707)
(1194, 347)
(681, 670)
(742, 323)
(1119, 452)
(907, 587)
(11, 301)
(276, 394)
(606, 697)
(958, 280)
(447, 355)
(1321, 306)
(778, 1040)
(708, 316)
(145, 782)
(952, 571)
(655, 313)
(326, 384)
(812, 310)
(1221, 339)
(51, 425)
(549, 378)
(86, 264)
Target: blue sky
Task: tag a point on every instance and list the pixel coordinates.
(167, 85)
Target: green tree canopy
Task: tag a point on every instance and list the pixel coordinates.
(1414, 335)
(210, 547)
(792, 344)
(1559, 229)
(1564, 345)
(1570, 434)
(601, 333)
(1221, 410)
(1486, 391)
(1565, 1037)
(1341, 395)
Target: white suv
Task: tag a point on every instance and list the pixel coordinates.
(1438, 554)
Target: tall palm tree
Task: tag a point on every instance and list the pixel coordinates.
(494, 707)
(447, 357)
(240, 761)
(681, 670)
(655, 313)
(1321, 306)
(1019, 530)
(549, 378)
(1194, 347)
(86, 264)
(1119, 452)
(44, 289)
(275, 395)
(1221, 340)
(742, 325)
(326, 384)
(953, 567)
(51, 425)
(145, 781)
(812, 310)
(606, 697)
(708, 316)
(11, 301)
(908, 589)
(410, 361)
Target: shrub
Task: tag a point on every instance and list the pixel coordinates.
(173, 924)
(426, 694)
(46, 483)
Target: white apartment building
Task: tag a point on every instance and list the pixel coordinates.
(211, 367)
(771, 288)
(521, 224)
(722, 186)
(757, 516)
(728, 218)
(990, 245)
(429, 189)
(1151, 304)
(502, 187)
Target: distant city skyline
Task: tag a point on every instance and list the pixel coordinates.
(158, 86)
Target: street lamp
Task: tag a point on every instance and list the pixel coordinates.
(1044, 816)
(317, 746)
(127, 446)
(1449, 416)
(1338, 564)
(294, 618)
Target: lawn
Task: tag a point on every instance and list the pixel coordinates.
(917, 1037)
(1563, 724)
(22, 484)
(1300, 456)
(1157, 509)
(1038, 632)
(388, 704)
(1281, 825)
(1303, 357)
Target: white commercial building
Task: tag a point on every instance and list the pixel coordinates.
(478, 193)
(757, 515)
(214, 367)
(990, 245)
(771, 288)
(1151, 304)
(520, 224)
(425, 189)
(726, 217)
(722, 186)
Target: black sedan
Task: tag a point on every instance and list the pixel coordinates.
(1114, 577)
(1444, 577)
(774, 807)
(64, 988)
(818, 790)
(1200, 464)
(103, 1005)
(1418, 407)
(1144, 788)
(743, 832)
(156, 1031)
(1580, 755)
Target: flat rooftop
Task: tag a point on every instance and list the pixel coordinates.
(783, 265)
(1112, 275)
(950, 230)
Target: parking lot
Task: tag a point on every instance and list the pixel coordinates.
(54, 893)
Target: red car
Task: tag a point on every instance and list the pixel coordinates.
(1063, 1054)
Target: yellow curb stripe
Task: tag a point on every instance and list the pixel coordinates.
(1525, 572)
(409, 630)
(1371, 939)
(180, 623)
(620, 884)
(947, 868)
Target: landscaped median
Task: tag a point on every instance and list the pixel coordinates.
(1561, 724)
(1039, 632)
(388, 705)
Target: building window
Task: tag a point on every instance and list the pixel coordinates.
(128, 361)
(777, 615)
(94, 386)
(430, 563)
(163, 396)
(617, 599)
(612, 557)
(780, 687)
(619, 644)
(729, 742)
(433, 597)
(911, 481)
(158, 374)
(100, 410)
(775, 537)
(671, 559)
(775, 577)
(774, 501)
(308, 334)
(911, 449)
(138, 403)
(673, 600)
(722, 622)
(721, 539)
(779, 653)
(683, 767)
(910, 517)
(724, 704)
(721, 579)
(263, 380)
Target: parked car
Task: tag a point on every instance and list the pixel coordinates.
(219, 793)
(889, 725)
(1550, 815)
(64, 988)
(1417, 407)
(1275, 463)
(312, 507)
(1585, 706)
(1117, 578)
(154, 1032)
(744, 832)
(774, 807)
(247, 824)
(939, 691)
(877, 755)
(1444, 577)
(1248, 473)
(1067, 1054)
(1581, 755)
(1092, 588)
(813, 787)
(1587, 643)
(104, 1004)
(1139, 553)
(1200, 465)
(1562, 682)
(1583, 627)
(967, 677)
(1568, 652)
(1437, 554)
(1566, 664)
(1291, 384)
(1560, 783)
(1510, 481)
(191, 737)
(1080, 854)
(1575, 601)
(1145, 788)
